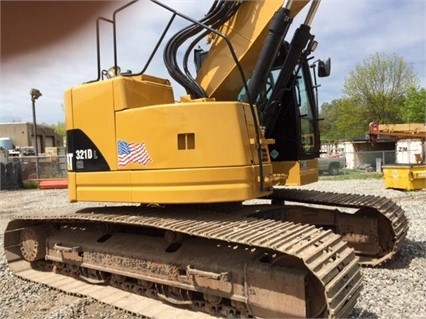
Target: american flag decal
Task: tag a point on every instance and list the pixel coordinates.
(132, 153)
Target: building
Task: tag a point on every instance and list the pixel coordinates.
(361, 152)
(22, 135)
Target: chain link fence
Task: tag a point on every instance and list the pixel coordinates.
(10, 175)
(369, 161)
(374, 160)
(48, 166)
(16, 170)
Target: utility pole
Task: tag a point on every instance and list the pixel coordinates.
(35, 94)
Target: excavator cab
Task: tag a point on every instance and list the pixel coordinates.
(295, 125)
(292, 122)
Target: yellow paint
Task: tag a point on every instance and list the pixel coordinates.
(201, 151)
(299, 172)
(406, 177)
(208, 185)
(247, 30)
(197, 150)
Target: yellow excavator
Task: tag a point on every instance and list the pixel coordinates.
(181, 238)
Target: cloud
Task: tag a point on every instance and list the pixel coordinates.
(351, 31)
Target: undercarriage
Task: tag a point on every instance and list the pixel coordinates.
(374, 226)
(230, 260)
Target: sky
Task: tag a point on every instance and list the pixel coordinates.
(348, 31)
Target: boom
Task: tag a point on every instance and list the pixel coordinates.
(246, 30)
(398, 131)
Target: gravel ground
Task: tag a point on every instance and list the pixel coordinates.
(395, 290)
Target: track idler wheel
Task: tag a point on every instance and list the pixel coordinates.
(33, 242)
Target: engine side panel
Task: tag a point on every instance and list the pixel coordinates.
(130, 142)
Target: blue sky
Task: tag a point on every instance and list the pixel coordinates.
(347, 31)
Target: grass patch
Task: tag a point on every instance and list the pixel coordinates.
(351, 174)
(29, 184)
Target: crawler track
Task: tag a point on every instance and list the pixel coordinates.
(321, 252)
(390, 224)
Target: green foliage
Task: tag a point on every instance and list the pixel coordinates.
(351, 122)
(415, 106)
(28, 184)
(344, 119)
(329, 116)
(380, 89)
(352, 174)
(379, 85)
(60, 130)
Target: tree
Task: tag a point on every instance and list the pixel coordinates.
(342, 120)
(379, 85)
(329, 116)
(415, 106)
(351, 122)
(60, 130)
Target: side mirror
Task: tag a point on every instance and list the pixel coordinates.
(324, 68)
